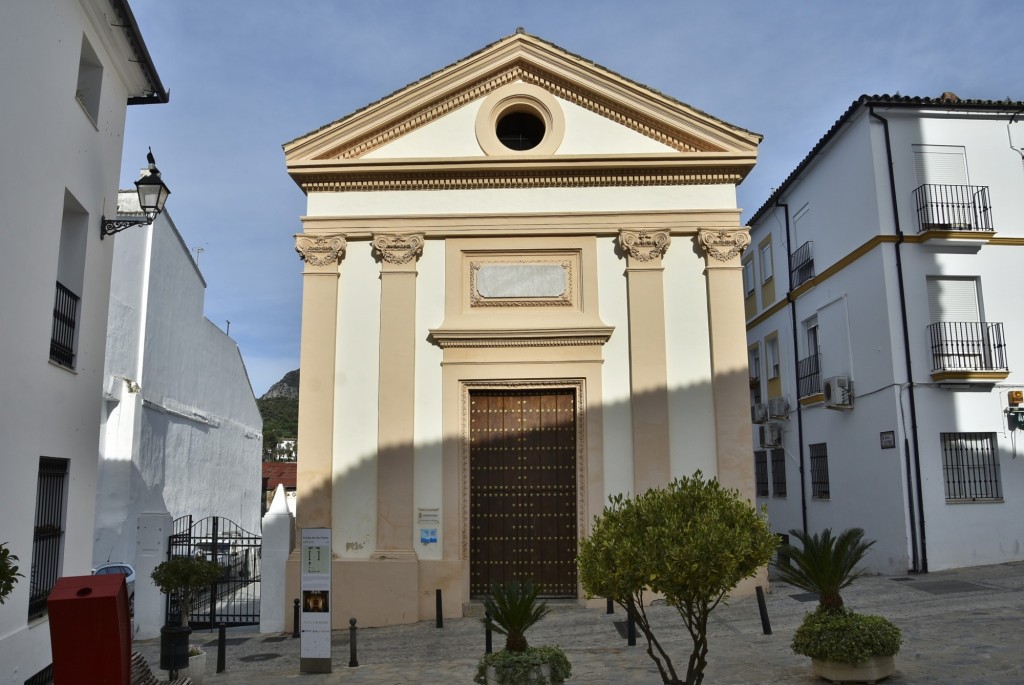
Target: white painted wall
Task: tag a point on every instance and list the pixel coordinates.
(429, 479)
(54, 412)
(354, 515)
(183, 432)
(847, 190)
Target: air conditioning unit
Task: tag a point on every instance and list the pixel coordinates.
(838, 391)
(759, 413)
(771, 435)
(778, 408)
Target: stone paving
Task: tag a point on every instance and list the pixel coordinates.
(963, 626)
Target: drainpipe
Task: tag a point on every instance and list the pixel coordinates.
(796, 363)
(919, 564)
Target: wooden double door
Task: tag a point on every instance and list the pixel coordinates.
(522, 493)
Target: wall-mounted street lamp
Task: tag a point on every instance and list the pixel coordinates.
(153, 194)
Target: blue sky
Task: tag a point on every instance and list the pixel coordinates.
(246, 77)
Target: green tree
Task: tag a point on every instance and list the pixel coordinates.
(825, 564)
(187, 577)
(692, 542)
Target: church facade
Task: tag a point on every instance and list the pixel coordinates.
(522, 293)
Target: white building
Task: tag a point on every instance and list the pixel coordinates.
(181, 432)
(70, 68)
(885, 335)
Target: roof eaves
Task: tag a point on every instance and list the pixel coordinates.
(880, 100)
(157, 93)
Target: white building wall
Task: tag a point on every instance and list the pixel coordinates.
(355, 403)
(182, 433)
(51, 148)
(848, 195)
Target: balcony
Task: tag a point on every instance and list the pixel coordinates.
(801, 263)
(968, 351)
(62, 336)
(808, 377)
(952, 208)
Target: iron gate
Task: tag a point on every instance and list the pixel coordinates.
(234, 600)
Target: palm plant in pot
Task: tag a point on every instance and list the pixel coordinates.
(185, 578)
(844, 646)
(511, 610)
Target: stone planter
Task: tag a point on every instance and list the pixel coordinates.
(540, 674)
(196, 668)
(871, 671)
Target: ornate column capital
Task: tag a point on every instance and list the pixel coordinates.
(723, 244)
(398, 248)
(644, 246)
(320, 250)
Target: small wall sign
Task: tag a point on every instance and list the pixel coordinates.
(887, 439)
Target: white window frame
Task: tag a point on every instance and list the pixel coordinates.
(767, 267)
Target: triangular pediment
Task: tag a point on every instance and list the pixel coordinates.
(429, 121)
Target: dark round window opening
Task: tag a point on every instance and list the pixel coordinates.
(520, 130)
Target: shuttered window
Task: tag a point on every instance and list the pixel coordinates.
(940, 164)
(953, 299)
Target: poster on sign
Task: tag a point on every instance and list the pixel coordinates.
(316, 594)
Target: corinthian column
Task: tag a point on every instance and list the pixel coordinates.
(648, 366)
(729, 378)
(321, 254)
(396, 393)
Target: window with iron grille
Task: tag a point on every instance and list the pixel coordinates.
(970, 465)
(62, 335)
(819, 471)
(48, 538)
(761, 472)
(778, 472)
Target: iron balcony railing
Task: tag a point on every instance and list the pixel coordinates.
(62, 337)
(967, 346)
(952, 208)
(808, 376)
(801, 263)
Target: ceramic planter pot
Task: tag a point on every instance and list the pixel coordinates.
(196, 669)
(540, 674)
(871, 671)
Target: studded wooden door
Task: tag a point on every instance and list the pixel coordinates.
(522, 493)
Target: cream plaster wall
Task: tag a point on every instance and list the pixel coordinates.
(618, 426)
(500, 201)
(587, 133)
(690, 398)
(428, 483)
(354, 515)
(453, 135)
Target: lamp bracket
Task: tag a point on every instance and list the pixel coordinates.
(112, 226)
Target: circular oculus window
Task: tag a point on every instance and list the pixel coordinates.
(520, 119)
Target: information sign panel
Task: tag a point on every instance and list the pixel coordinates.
(315, 582)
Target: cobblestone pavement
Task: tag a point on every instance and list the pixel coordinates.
(963, 626)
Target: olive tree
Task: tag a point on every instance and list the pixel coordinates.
(691, 542)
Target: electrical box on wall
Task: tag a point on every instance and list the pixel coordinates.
(1015, 419)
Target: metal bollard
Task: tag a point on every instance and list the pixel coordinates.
(438, 609)
(611, 607)
(295, 620)
(766, 625)
(221, 647)
(488, 643)
(630, 629)
(352, 661)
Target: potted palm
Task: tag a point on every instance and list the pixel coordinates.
(186, 578)
(844, 646)
(511, 610)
